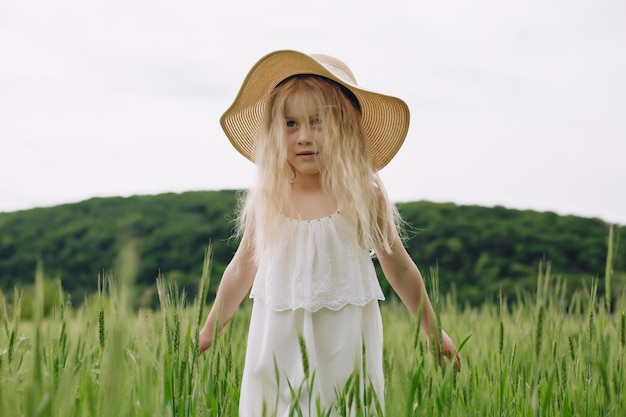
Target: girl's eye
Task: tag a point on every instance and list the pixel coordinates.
(315, 121)
(291, 123)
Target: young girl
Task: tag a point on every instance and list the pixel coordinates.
(307, 230)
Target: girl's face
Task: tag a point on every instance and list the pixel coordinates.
(305, 139)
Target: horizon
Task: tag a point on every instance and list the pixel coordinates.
(561, 214)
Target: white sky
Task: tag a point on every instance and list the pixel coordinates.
(520, 104)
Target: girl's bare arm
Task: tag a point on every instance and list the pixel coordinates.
(235, 284)
(406, 280)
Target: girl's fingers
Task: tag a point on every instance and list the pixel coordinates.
(457, 364)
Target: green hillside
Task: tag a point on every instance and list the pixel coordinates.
(478, 251)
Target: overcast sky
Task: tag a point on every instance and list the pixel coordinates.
(520, 104)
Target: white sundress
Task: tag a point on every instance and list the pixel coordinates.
(315, 288)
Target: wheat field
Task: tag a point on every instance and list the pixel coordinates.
(552, 353)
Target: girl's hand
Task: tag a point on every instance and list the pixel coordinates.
(447, 349)
(204, 338)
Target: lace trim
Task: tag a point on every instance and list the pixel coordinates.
(316, 264)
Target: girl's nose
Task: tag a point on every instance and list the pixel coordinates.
(304, 135)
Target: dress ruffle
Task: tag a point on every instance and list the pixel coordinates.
(316, 264)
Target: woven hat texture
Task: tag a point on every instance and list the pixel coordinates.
(385, 119)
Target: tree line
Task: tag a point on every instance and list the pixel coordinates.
(478, 252)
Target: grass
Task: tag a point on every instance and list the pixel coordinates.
(547, 355)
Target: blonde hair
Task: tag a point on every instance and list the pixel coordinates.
(346, 168)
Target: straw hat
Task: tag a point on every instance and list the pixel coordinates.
(385, 119)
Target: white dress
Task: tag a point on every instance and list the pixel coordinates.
(316, 290)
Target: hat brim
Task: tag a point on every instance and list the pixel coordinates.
(385, 119)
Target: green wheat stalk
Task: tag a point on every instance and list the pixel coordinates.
(608, 272)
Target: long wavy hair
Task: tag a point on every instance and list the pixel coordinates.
(346, 168)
